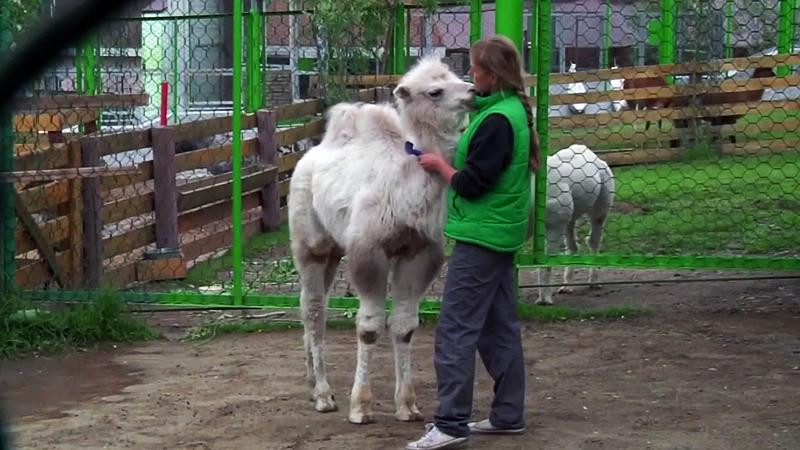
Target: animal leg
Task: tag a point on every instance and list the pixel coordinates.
(554, 239)
(572, 248)
(316, 275)
(595, 236)
(411, 277)
(369, 269)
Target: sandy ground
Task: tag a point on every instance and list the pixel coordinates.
(716, 366)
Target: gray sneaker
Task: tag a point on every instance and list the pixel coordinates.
(486, 427)
(434, 439)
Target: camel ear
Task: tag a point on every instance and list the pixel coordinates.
(402, 93)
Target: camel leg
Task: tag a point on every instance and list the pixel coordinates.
(554, 238)
(595, 236)
(411, 277)
(316, 275)
(572, 248)
(369, 269)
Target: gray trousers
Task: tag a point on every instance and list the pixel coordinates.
(479, 312)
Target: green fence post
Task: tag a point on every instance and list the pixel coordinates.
(607, 36)
(7, 217)
(729, 23)
(475, 21)
(264, 43)
(508, 20)
(236, 157)
(785, 33)
(667, 48)
(253, 61)
(542, 125)
(399, 42)
(533, 34)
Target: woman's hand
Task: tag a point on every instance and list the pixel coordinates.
(432, 162)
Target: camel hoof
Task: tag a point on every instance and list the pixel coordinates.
(565, 290)
(407, 415)
(360, 418)
(544, 302)
(325, 404)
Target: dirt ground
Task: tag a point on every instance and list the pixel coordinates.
(715, 366)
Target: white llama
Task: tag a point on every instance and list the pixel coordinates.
(360, 193)
(579, 184)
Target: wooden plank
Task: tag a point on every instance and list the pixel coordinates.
(641, 156)
(145, 172)
(45, 196)
(762, 147)
(53, 121)
(55, 231)
(208, 214)
(61, 102)
(166, 202)
(199, 197)
(191, 131)
(206, 157)
(110, 144)
(43, 158)
(595, 120)
(359, 80)
(289, 136)
(757, 129)
(722, 65)
(268, 154)
(669, 92)
(35, 274)
(92, 222)
(283, 187)
(120, 277)
(219, 240)
(67, 173)
(298, 110)
(44, 247)
(75, 219)
(128, 207)
(287, 162)
(130, 240)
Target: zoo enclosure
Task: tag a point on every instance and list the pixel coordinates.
(204, 103)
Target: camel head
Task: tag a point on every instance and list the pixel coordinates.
(433, 103)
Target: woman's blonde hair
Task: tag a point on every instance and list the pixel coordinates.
(498, 55)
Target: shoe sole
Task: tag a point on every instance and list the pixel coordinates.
(496, 431)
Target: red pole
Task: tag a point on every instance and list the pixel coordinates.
(164, 101)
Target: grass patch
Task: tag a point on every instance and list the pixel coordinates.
(206, 272)
(527, 313)
(25, 328)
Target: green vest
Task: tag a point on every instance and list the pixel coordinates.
(498, 220)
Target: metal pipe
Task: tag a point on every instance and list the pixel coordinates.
(398, 44)
(236, 157)
(7, 216)
(542, 125)
(668, 280)
(785, 33)
(508, 20)
(475, 21)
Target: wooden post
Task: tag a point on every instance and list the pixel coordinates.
(166, 189)
(383, 95)
(92, 221)
(75, 223)
(268, 153)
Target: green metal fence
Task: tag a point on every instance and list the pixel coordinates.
(192, 114)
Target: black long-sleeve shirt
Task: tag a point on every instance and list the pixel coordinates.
(489, 153)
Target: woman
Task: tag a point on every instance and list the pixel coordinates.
(488, 209)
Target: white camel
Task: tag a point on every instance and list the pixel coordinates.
(579, 184)
(360, 193)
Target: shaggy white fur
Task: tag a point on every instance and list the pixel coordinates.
(579, 184)
(360, 194)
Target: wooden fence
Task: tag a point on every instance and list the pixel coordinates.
(101, 226)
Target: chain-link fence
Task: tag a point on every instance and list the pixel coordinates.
(126, 172)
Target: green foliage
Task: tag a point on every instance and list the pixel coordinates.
(23, 14)
(25, 328)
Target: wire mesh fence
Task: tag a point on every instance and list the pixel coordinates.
(125, 163)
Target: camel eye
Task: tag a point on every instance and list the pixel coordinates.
(436, 93)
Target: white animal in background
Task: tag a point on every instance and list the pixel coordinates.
(360, 193)
(579, 184)
(576, 88)
(617, 84)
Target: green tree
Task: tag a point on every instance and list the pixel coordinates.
(24, 14)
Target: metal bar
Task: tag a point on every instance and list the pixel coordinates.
(607, 35)
(533, 34)
(398, 44)
(508, 20)
(475, 21)
(668, 280)
(7, 215)
(248, 62)
(668, 14)
(542, 125)
(785, 33)
(175, 71)
(729, 25)
(663, 262)
(236, 157)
